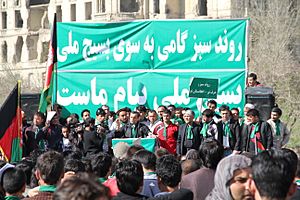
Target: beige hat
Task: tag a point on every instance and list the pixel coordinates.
(120, 150)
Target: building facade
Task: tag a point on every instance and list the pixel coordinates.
(25, 33)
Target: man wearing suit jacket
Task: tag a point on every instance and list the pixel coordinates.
(134, 129)
(189, 134)
(228, 131)
(257, 136)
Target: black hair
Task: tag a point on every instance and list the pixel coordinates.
(298, 169)
(212, 102)
(141, 108)
(87, 164)
(51, 167)
(189, 166)
(224, 108)
(74, 115)
(211, 152)
(167, 112)
(74, 165)
(146, 158)
(132, 150)
(40, 114)
(14, 180)
(82, 187)
(101, 112)
(121, 110)
(168, 169)
(85, 110)
(160, 152)
(236, 109)
(172, 106)
(253, 112)
(273, 173)
(74, 155)
(101, 163)
(135, 113)
(277, 110)
(253, 75)
(26, 166)
(208, 113)
(89, 121)
(130, 176)
(162, 106)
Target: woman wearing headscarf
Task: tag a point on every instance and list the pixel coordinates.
(232, 179)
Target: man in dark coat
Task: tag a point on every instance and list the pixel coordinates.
(134, 129)
(189, 134)
(257, 136)
(228, 131)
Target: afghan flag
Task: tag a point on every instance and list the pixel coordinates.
(10, 126)
(46, 96)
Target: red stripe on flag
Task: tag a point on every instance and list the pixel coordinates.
(6, 141)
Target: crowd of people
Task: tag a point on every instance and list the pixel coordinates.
(213, 156)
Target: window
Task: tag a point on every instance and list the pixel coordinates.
(88, 10)
(73, 12)
(58, 14)
(4, 52)
(4, 20)
(156, 6)
(101, 6)
(129, 6)
(18, 19)
(202, 5)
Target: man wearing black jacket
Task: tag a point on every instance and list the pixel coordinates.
(189, 134)
(228, 131)
(134, 129)
(257, 136)
(92, 140)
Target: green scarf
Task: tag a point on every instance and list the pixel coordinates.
(277, 125)
(165, 132)
(204, 129)
(133, 131)
(190, 135)
(11, 198)
(227, 131)
(47, 188)
(102, 180)
(255, 129)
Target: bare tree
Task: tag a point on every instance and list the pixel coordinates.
(273, 39)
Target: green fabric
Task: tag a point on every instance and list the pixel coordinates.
(47, 188)
(165, 132)
(133, 131)
(147, 143)
(227, 131)
(102, 180)
(204, 129)
(46, 96)
(16, 151)
(190, 135)
(11, 198)
(42, 144)
(277, 126)
(255, 129)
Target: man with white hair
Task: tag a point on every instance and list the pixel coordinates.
(189, 136)
(247, 107)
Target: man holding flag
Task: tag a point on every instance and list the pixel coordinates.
(10, 126)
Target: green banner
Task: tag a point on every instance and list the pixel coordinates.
(204, 88)
(77, 91)
(149, 63)
(162, 44)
